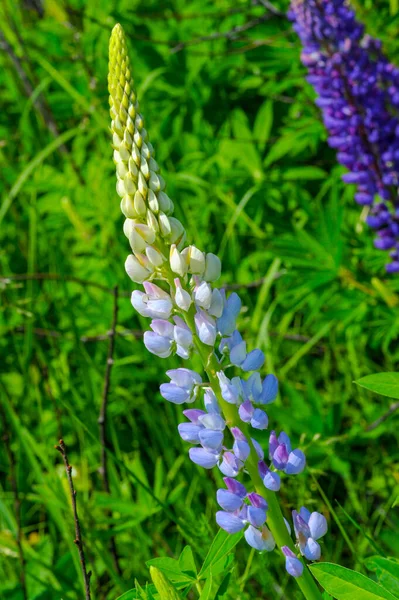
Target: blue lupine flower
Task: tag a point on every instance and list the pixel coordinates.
(228, 389)
(283, 458)
(271, 480)
(292, 563)
(183, 386)
(241, 448)
(249, 414)
(309, 527)
(226, 324)
(238, 353)
(259, 392)
(166, 338)
(260, 538)
(203, 458)
(206, 328)
(231, 465)
(154, 303)
(358, 93)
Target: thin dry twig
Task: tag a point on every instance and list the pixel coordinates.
(17, 501)
(393, 408)
(102, 419)
(78, 534)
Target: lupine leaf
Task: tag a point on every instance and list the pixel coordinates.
(206, 590)
(187, 563)
(386, 384)
(164, 587)
(344, 584)
(387, 571)
(171, 568)
(221, 546)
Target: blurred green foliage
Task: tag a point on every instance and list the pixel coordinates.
(244, 154)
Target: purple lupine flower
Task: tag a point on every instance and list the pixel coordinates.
(292, 563)
(283, 457)
(183, 386)
(166, 338)
(358, 93)
(271, 480)
(259, 392)
(255, 416)
(238, 353)
(309, 527)
(241, 448)
(229, 390)
(226, 324)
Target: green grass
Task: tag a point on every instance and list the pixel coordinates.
(244, 154)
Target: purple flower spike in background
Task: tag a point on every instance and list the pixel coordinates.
(358, 94)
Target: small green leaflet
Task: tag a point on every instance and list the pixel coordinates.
(387, 571)
(344, 584)
(216, 559)
(206, 590)
(386, 384)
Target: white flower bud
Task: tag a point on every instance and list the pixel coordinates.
(138, 140)
(213, 267)
(153, 201)
(133, 169)
(153, 165)
(139, 204)
(154, 256)
(165, 203)
(117, 157)
(120, 188)
(137, 243)
(127, 207)
(145, 151)
(136, 155)
(144, 168)
(127, 227)
(127, 138)
(136, 271)
(121, 169)
(182, 298)
(124, 152)
(177, 262)
(203, 295)
(130, 185)
(152, 221)
(142, 185)
(197, 261)
(164, 225)
(177, 230)
(116, 140)
(155, 182)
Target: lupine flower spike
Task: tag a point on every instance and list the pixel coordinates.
(358, 93)
(189, 314)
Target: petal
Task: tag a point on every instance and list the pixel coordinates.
(272, 481)
(184, 377)
(312, 550)
(213, 421)
(317, 525)
(138, 302)
(269, 389)
(235, 487)
(229, 391)
(296, 462)
(280, 457)
(284, 439)
(246, 410)
(201, 457)
(174, 393)
(258, 448)
(273, 444)
(193, 414)
(260, 539)
(294, 566)
(157, 344)
(183, 337)
(229, 522)
(238, 434)
(238, 353)
(230, 465)
(216, 307)
(228, 501)
(241, 450)
(163, 328)
(257, 500)
(203, 295)
(253, 361)
(210, 402)
(259, 419)
(305, 514)
(256, 516)
(211, 440)
(206, 328)
(135, 270)
(189, 432)
(301, 528)
(159, 309)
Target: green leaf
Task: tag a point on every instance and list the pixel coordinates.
(222, 589)
(164, 587)
(187, 563)
(263, 123)
(344, 584)
(387, 571)
(206, 590)
(171, 568)
(216, 557)
(386, 384)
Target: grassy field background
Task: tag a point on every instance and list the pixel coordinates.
(243, 151)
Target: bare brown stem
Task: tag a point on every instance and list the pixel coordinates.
(78, 534)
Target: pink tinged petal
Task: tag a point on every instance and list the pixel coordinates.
(312, 550)
(238, 434)
(230, 465)
(253, 361)
(173, 393)
(280, 457)
(256, 516)
(213, 421)
(138, 300)
(229, 522)
(238, 353)
(258, 449)
(211, 440)
(260, 539)
(158, 345)
(259, 419)
(273, 444)
(292, 563)
(154, 291)
(201, 457)
(189, 432)
(246, 410)
(163, 328)
(235, 487)
(241, 450)
(317, 525)
(194, 414)
(228, 501)
(269, 389)
(296, 462)
(272, 481)
(284, 439)
(257, 500)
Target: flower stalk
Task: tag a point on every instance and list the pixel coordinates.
(191, 315)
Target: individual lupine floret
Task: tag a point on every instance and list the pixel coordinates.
(292, 563)
(154, 303)
(271, 479)
(309, 527)
(283, 457)
(166, 338)
(226, 324)
(183, 386)
(237, 349)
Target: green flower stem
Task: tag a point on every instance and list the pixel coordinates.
(275, 520)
